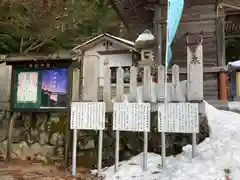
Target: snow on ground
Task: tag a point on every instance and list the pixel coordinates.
(215, 154)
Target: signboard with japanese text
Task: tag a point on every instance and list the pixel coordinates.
(180, 118)
(88, 115)
(40, 86)
(131, 117)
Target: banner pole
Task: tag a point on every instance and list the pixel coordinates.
(163, 135)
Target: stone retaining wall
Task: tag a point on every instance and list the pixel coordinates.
(41, 138)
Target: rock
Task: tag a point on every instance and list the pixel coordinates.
(27, 122)
(3, 148)
(4, 123)
(40, 158)
(88, 145)
(35, 148)
(43, 138)
(60, 152)
(3, 134)
(54, 118)
(60, 141)
(54, 138)
(22, 151)
(41, 120)
(17, 135)
(47, 151)
(33, 136)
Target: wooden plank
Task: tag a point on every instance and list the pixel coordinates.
(220, 34)
(147, 84)
(107, 87)
(176, 84)
(205, 70)
(198, 13)
(133, 84)
(195, 74)
(111, 52)
(76, 85)
(5, 86)
(120, 85)
(90, 85)
(161, 84)
(196, 27)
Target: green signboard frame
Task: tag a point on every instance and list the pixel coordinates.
(37, 67)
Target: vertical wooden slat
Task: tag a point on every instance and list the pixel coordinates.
(160, 84)
(195, 74)
(119, 98)
(147, 84)
(107, 87)
(175, 82)
(220, 37)
(76, 85)
(90, 86)
(120, 85)
(133, 84)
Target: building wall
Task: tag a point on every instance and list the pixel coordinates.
(94, 59)
(195, 19)
(5, 83)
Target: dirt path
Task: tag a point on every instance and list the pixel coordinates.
(26, 170)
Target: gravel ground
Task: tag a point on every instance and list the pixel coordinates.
(26, 170)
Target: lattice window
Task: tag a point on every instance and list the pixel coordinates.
(126, 78)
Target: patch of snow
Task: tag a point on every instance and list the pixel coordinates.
(145, 37)
(235, 63)
(215, 154)
(234, 106)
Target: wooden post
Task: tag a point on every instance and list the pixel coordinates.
(176, 83)
(220, 35)
(75, 97)
(119, 98)
(160, 85)
(107, 87)
(223, 86)
(15, 116)
(158, 33)
(133, 84)
(90, 85)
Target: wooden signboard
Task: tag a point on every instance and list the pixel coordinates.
(40, 86)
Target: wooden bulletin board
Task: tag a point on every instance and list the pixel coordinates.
(41, 86)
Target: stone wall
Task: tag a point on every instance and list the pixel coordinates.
(41, 137)
(35, 137)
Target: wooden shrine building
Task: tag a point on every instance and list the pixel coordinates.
(216, 19)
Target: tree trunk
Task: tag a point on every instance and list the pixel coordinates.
(10, 130)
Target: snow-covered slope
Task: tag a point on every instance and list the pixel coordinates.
(215, 154)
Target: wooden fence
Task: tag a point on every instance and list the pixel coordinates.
(150, 91)
(190, 90)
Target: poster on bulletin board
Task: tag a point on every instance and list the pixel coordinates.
(41, 88)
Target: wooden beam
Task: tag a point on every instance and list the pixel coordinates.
(205, 70)
(54, 57)
(220, 35)
(115, 52)
(158, 33)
